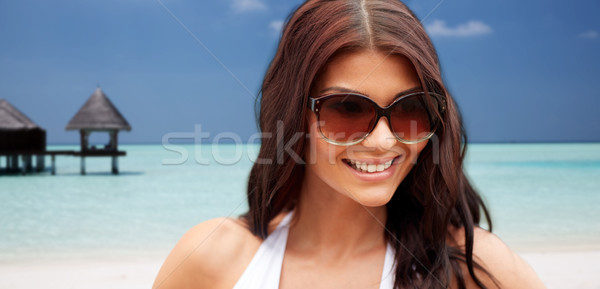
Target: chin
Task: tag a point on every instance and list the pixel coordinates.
(373, 197)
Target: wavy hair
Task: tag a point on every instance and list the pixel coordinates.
(433, 197)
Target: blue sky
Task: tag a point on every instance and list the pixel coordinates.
(520, 70)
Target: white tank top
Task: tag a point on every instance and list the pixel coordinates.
(264, 270)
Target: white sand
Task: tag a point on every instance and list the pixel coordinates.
(80, 274)
(562, 270)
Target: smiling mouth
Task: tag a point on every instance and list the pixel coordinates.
(364, 167)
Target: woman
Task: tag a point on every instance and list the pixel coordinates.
(375, 195)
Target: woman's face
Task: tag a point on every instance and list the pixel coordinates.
(329, 167)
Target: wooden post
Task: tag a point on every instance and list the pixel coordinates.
(24, 167)
(40, 163)
(113, 140)
(53, 164)
(115, 165)
(28, 163)
(84, 140)
(82, 165)
(14, 163)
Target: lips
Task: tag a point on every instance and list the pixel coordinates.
(370, 166)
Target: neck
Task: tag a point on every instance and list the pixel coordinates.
(329, 222)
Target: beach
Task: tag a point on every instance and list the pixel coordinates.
(558, 270)
(105, 231)
(85, 274)
(567, 269)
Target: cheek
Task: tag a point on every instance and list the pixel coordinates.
(319, 151)
(415, 150)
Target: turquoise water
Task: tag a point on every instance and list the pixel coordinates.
(541, 196)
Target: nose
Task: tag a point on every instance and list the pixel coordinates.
(381, 137)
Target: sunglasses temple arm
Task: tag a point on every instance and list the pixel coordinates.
(311, 103)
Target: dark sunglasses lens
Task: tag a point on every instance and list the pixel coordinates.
(346, 118)
(411, 119)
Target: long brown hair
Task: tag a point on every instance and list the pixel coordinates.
(434, 196)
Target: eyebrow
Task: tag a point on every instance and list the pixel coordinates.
(348, 90)
(341, 89)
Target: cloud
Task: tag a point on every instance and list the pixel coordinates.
(276, 26)
(240, 6)
(590, 34)
(471, 28)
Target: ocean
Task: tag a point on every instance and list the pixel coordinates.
(541, 197)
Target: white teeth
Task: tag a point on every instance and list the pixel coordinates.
(371, 168)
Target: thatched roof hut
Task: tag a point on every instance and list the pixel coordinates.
(18, 132)
(12, 119)
(98, 113)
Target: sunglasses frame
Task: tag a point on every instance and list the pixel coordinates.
(315, 102)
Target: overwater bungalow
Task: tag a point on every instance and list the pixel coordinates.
(21, 138)
(99, 115)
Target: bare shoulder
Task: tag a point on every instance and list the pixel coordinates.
(212, 254)
(506, 266)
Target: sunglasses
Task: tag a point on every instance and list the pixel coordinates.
(348, 118)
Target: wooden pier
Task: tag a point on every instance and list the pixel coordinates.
(27, 164)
